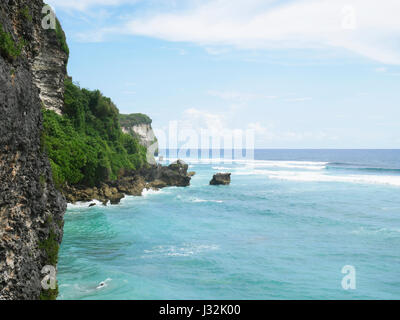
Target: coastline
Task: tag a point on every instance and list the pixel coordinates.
(153, 177)
(193, 238)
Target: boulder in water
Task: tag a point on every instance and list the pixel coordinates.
(221, 179)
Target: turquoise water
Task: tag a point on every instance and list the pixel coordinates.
(283, 229)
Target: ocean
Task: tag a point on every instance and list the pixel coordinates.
(285, 228)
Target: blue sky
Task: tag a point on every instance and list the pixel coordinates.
(301, 74)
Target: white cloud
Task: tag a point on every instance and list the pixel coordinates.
(258, 129)
(381, 69)
(265, 135)
(365, 27)
(199, 119)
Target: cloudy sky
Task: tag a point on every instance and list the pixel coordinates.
(300, 73)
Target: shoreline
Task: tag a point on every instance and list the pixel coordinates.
(97, 203)
(154, 177)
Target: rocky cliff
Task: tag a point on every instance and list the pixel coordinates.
(139, 126)
(32, 68)
(133, 183)
(33, 77)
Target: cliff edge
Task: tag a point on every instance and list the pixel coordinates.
(138, 125)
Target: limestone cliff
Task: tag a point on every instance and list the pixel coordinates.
(32, 67)
(49, 66)
(139, 126)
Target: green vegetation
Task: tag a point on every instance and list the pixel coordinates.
(49, 294)
(8, 48)
(25, 13)
(51, 246)
(62, 40)
(130, 120)
(86, 145)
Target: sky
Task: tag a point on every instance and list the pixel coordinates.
(298, 73)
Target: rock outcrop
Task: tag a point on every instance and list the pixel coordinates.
(144, 132)
(139, 126)
(133, 183)
(31, 209)
(49, 69)
(221, 179)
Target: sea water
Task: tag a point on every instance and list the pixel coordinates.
(284, 229)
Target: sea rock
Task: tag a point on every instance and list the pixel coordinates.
(132, 183)
(116, 198)
(179, 166)
(176, 174)
(157, 184)
(221, 179)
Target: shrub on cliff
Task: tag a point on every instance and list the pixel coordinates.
(62, 40)
(8, 48)
(86, 144)
(134, 119)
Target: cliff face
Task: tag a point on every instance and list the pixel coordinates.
(49, 67)
(31, 209)
(144, 132)
(139, 126)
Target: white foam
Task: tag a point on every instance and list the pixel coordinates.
(221, 168)
(383, 231)
(148, 192)
(321, 177)
(203, 200)
(103, 284)
(174, 251)
(290, 165)
(82, 204)
(310, 165)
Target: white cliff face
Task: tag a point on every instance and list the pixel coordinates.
(49, 70)
(144, 132)
(49, 67)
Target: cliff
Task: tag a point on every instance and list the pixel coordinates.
(138, 125)
(55, 138)
(32, 65)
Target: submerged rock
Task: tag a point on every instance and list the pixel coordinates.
(221, 179)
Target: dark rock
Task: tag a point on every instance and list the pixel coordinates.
(132, 183)
(221, 179)
(116, 198)
(157, 184)
(92, 205)
(179, 166)
(31, 209)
